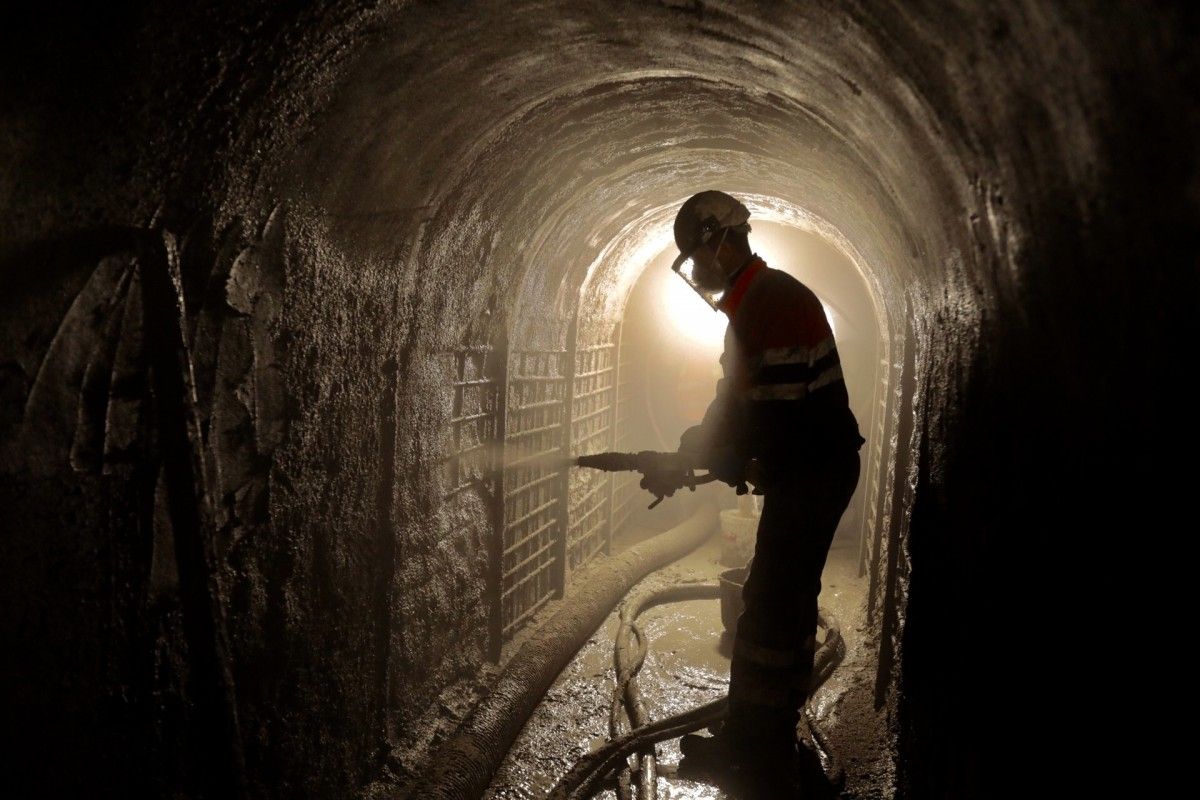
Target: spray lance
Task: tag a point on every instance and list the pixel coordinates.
(662, 473)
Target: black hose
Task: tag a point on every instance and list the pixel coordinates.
(596, 770)
(626, 694)
(586, 776)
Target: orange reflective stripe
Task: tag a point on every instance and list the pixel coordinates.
(730, 302)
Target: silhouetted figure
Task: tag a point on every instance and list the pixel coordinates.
(781, 419)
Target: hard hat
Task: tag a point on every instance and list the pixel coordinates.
(701, 217)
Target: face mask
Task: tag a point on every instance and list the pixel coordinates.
(687, 270)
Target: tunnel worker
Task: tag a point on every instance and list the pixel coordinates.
(782, 418)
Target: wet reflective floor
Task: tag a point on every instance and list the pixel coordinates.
(687, 665)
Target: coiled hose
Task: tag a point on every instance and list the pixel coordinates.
(610, 762)
(464, 765)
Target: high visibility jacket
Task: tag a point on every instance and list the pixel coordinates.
(782, 398)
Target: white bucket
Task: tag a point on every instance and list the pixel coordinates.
(739, 527)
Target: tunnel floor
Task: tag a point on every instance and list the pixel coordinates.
(688, 664)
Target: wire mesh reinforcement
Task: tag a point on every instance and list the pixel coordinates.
(558, 403)
(592, 416)
(537, 392)
(473, 419)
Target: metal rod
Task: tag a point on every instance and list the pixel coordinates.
(524, 562)
(192, 519)
(564, 491)
(528, 515)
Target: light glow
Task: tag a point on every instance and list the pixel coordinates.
(695, 321)
(829, 318)
(691, 317)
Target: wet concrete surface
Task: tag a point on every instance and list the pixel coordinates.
(687, 665)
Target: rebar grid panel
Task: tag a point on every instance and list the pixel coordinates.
(869, 545)
(883, 510)
(474, 428)
(473, 420)
(591, 432)
(625, 484)
(536, 406)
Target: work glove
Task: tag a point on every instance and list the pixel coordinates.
(725, 463)
(729, 467)
(661, 485)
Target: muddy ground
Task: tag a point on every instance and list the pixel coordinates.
(687, 665)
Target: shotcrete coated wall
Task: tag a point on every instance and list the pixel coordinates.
(353, 184)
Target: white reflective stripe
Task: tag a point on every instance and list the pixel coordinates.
(795, 391)
(827, 377)
(799, 354)
(822, 349)
(785, 355)
(779, 391)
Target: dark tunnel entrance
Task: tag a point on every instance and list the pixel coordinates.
(302, 306)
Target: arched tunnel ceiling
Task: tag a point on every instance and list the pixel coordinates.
(618, 266)
(1017, 178)
(525, 138)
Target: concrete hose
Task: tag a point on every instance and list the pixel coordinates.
(463, 767)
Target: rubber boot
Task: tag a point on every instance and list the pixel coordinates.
(791, 770)
(711, 756)
(774, 776)
(757, 756)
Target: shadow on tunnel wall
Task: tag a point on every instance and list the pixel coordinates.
(1045, 272)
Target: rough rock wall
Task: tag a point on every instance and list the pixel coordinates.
(1043, 408)
(116, 123)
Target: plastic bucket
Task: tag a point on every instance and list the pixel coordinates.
(731, 596)
(738, 531)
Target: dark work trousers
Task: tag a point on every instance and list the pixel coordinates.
(776, 634)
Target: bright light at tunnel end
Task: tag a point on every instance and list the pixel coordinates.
(691, 317)
(696, 321)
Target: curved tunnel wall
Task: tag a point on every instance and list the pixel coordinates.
(358, 189)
